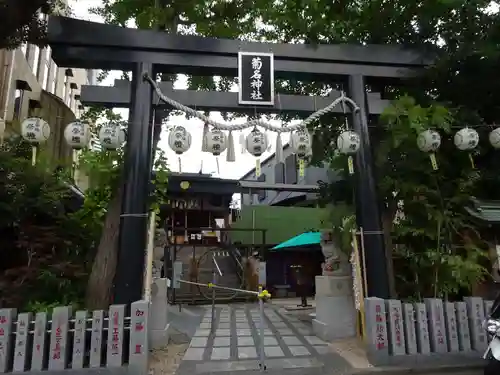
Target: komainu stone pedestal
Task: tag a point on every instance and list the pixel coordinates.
(335, 311)
(159, 314)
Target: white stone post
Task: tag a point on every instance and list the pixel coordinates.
(158, 323)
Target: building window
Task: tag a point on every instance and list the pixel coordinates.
(90, 77)
(46, 73)
(261, 194)
(53, 84)
(279, 173)
(29, 51)
(36, 60)
(17, 104)
(291, 170)
(40, 65)
(65, 87)
(45, 65)
(53, 77)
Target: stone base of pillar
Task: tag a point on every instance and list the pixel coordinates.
(335, 311)
(158, 323)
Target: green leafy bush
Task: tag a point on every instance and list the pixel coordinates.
(45, 251)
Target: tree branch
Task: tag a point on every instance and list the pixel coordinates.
(18, 18)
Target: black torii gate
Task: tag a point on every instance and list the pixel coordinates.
(83, 44)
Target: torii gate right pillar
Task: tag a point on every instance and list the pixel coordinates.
(367, 202)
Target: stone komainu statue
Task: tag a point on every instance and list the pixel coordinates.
(336, 261)
(251, 266)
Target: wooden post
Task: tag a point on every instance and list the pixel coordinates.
(148, 279)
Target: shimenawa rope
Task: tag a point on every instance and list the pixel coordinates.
(252, 123)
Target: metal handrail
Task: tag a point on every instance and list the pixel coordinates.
(221, 287)
(235, 255)
(216, 265)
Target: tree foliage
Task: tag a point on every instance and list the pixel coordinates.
(234, 19)
(20, 21)
(436, 241)
(45, 251)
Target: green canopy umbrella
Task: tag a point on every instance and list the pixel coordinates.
(304, 239)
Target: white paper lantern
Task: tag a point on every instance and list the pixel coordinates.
(429, 141)
(35, 130)
(494, 138)
(179, 140)
(111, 136)
(256, 142)
(301, 143)
(348, 142)
(466, 139)
(216, 141)
(77, 134)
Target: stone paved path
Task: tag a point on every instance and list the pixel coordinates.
(234, 345)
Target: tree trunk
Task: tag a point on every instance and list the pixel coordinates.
(99, 287)
(387, 222)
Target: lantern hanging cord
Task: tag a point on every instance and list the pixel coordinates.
(342, 99)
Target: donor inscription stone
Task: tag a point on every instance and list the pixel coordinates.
(21, 345)
(96, 338)
(58, 355)
(39, 340)
(422, 329)
(410, 332)
(7, 317)
(475, 309)
(437, 328)
(376, 327)
(396, 330)
(79, 339)
(114, 354)
(450, 317)
(139, 350)
(464, 341)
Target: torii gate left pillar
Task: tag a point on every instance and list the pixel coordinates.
(136, 185)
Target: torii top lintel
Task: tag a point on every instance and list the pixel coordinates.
(83, 44)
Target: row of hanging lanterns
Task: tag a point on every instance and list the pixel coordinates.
(466, 139)
(77, 134)
(256, 143)
(215, 141)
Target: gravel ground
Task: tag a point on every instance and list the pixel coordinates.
(165, 361)
(352, 351)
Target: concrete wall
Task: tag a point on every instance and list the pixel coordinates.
(50, 88)
(270, 170)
